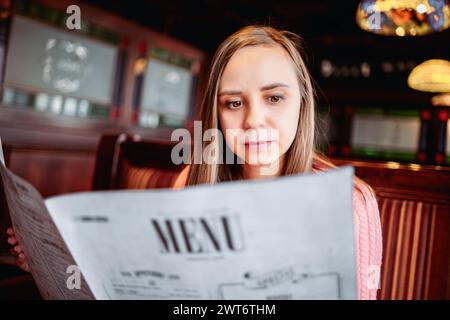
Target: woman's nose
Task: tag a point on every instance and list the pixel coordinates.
(254, 116)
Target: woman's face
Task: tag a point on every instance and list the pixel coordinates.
(259, 104)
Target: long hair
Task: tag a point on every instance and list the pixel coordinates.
(303, 155)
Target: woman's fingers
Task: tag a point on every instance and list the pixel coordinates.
(13, 252)
(18, 249)
(12, 240)
(22, 263)
(10, 231)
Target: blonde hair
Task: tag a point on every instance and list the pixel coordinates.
(302, 155)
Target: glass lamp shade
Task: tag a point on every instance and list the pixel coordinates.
(431, 76)
(403, 17)
(441, 100)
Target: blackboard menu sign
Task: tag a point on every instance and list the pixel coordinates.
(167, 88)
(391, 134)
(59, 71)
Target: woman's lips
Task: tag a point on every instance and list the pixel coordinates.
(257, 145)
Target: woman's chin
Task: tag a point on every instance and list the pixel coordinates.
(260, 159)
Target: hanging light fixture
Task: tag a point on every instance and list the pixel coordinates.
(431, 76)
(403, 17)
(441, 100)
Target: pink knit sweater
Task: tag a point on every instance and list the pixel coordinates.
(368, 238)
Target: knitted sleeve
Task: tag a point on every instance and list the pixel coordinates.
(368, 240)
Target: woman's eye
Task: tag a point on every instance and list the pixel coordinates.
(234, 104)
(275, 99)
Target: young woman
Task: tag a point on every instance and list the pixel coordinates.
(260, 97)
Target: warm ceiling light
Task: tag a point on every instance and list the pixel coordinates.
(403, 17)
(431, 76)
(441, 100)
(421, 8)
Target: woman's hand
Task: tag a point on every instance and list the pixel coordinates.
(16, 250)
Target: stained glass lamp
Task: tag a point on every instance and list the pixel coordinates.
(403, 17)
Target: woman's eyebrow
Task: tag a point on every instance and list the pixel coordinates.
(273, 86)
(230, 93)
(264, 88)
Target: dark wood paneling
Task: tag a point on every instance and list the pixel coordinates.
(414, 203)
(53, 172)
